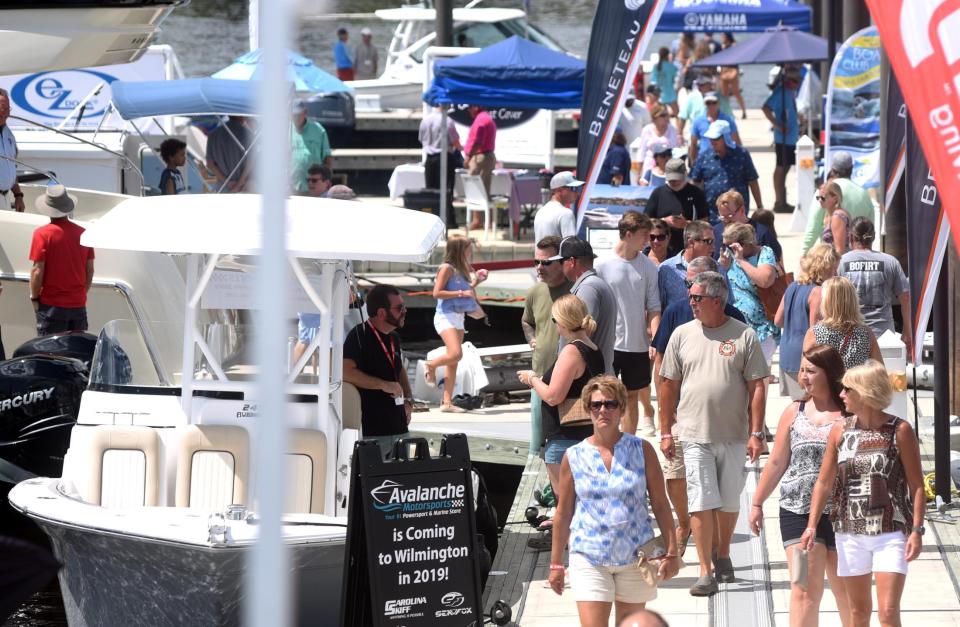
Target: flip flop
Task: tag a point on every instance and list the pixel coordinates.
(430, 377)
(682, 544)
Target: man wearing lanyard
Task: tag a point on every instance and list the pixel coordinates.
(8, 167)
(373, 362)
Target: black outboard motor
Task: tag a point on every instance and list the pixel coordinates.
(77, 345)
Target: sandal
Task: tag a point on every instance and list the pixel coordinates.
(682, 543)
(430, 376)
(452, 409)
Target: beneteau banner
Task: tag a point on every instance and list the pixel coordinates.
(928, 232)
(920, 38)
(853, 106)
(621, 32)
(894, 140)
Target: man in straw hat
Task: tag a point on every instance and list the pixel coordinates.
(62, 267)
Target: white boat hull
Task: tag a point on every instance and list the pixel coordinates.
(111, 576)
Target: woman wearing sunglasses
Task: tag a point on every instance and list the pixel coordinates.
(658, 250)
(878, 501)
(795, 463)
(605, 482)
(836, 224)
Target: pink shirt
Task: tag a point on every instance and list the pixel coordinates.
(483, 135)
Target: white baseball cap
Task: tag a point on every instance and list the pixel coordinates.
(564, 179)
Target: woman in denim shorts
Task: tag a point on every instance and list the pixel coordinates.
(795, 463)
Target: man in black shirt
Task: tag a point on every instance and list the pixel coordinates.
(372, 361)
(677, 203)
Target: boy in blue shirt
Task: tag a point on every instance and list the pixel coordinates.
(174, 154)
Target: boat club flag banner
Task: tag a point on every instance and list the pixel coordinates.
(894, 139)
(621, 32)
(921, 40)
(928, 233)
(853, 106)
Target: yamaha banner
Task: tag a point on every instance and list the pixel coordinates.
(621, 32)
(920, 38)
(894, 138)
(927, 234)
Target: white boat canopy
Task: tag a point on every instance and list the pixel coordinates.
(229, 224)
(420, 14)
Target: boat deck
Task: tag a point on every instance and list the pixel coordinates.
(498, 434)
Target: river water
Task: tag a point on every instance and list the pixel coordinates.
(208, 34)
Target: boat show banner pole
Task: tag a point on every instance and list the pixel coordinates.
(618, 41)
(267, 591)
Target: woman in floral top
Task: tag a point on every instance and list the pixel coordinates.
(750, 266)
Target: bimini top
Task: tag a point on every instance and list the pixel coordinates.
(420, 14)
(192, 96)
(229, 224)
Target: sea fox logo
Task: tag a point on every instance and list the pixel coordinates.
(382, 493)
(452, 599)
(633, 5)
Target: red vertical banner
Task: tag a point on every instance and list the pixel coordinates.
(922, 41)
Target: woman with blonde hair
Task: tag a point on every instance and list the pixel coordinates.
(871, 475)
(578, 361)
(603, 491)
(750, 267)
(841, 324)
(456, 297)
(836, 223)
(799, 310)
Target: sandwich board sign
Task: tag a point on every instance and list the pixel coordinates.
(411, 553)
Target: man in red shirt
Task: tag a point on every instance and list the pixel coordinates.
(62, 267)
(479, 158)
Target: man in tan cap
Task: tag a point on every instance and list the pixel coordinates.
(62, 266)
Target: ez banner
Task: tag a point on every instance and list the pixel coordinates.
(920, 38)
(621, 32)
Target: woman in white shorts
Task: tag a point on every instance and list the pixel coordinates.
(602, 510)
(878, 501)
(456, 298)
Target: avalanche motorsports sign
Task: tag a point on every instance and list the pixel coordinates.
(411, 540)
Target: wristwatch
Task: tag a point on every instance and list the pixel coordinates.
(918, 529)
(760, 435)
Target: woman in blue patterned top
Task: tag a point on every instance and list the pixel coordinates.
(749, 267)
(602, 510)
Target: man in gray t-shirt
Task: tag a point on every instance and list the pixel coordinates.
(879, 280)
(576, 258)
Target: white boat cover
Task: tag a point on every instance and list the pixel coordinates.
(421, 14)
(229, 224)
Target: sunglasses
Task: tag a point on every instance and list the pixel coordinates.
(696, 298)
(688, 283)
(400, 307)
(822, 198)
(708, 241)
(608, 404)
(546, 263)
(658, 237)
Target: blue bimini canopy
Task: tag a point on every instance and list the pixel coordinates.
(513, 73)
(716, 16)
(192, 96)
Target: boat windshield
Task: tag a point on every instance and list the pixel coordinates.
(150, 354)
(483, 34)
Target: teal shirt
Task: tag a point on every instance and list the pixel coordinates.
(309, 147)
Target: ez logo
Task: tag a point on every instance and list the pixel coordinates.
(55, 94)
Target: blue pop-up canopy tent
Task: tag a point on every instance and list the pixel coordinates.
(301, 71)
(515, 73)
(192, 96)
(717, 16)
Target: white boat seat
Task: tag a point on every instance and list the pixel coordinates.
(306, 471)
(212, 466)
(124, 467)
(350, 404)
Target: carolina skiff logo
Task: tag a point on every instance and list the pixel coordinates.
(633, 5)
(391, 496)
(47, 94)
(452, 599)
(727, 348)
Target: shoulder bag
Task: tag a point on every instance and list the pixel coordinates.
(770, 297)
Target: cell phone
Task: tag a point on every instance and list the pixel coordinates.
(726, 250)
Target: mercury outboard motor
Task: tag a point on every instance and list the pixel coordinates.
(40, 392)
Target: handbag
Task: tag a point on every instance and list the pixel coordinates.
(770, 297)
(572, 413)
(648, 556)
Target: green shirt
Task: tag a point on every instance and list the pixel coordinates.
(308, 147)
(537, 313)
(856, 201)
